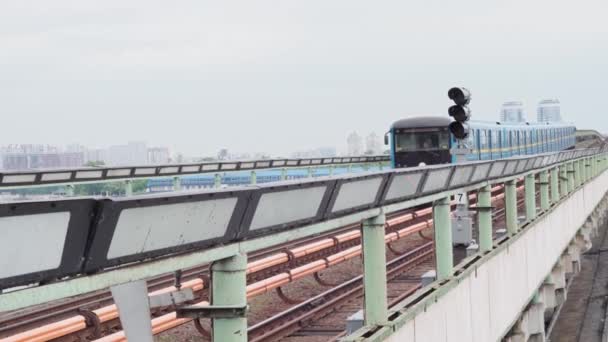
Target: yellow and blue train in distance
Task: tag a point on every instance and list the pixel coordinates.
(427, 140)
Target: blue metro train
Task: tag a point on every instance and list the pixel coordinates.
(427, 140)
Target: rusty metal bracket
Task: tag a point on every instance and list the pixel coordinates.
(322, 282)
(92, 320)
(286, 298)
(212, 311)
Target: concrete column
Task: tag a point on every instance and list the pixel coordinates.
(511, 207)
(217, 180)
(374, 271)
(554, 185)
(229, 287)
(128, 188)
(571, 180)
(443, 238)
(283, 174)
(536, 319)
(563, 179)
(484, 216)
(177, 184)
(253, 180)
(544, 190)
(530, 190)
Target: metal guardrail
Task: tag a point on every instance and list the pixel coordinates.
(92, 174)
(75, 236)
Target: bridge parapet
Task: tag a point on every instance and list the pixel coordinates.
(503, 293)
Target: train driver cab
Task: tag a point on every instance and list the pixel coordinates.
(420, 141)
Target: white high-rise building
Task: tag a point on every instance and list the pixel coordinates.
(512, 111)
(372, 144)
(355, 144)
(549, 111)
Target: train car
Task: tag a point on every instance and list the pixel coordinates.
(427, 140)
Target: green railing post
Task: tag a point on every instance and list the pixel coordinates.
(511, 207)
(331, 170)
(177, 184)
(554, 185)
(571, 181)
(374, 270)
(530, 190)
(577, 174)
(253, 180)
(128, 188)
(443, 238)
(69, 190)
(544, 190)
(563, 179)
(229, 288)
(484, 217)
(283, 174)
(217, 180)
(310, 172)
(380, 166)
(588, 171)
(350, 168)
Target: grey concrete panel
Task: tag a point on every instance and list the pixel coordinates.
(461, 176)
(150, 228)
(281, 207)
(404, 185)
(480, 173)
(357, 193)
(436, 180)
(32, 243)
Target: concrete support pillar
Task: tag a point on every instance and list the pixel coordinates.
(558, 276)
(374, 270)
(511, 207)
(443, 238)
(547, 290)
(217, 180)
(519, 332)
(484, 217)
(283, 174)
(253, 179)
(571, 182)
(536, 319)
(177, 184)
(563, 179)
(554, 185)
(229, 288)
(530, 190)
(575, 256)
(128, 188)
(544, 190)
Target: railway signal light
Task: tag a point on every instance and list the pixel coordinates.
(460, 112)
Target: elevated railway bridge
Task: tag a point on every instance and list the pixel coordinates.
(235, 263)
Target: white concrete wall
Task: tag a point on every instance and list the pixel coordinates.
(483, 305)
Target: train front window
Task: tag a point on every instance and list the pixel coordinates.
(421, 141)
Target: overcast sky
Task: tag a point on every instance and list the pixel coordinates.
(284, 75)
